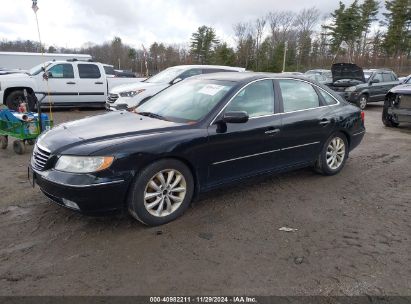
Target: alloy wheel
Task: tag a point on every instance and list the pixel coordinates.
(165, 192)
(335, 153)
(363, 102)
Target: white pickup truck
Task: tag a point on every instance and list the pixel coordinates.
(70, 83)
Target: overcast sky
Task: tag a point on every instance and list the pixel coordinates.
(71, 23)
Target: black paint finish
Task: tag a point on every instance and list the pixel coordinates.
(217, 153)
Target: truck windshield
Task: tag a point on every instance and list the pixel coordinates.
(186, 102)
(166, 76)
(38, 68)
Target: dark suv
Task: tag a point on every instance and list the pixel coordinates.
(360, 87)
(378, 83)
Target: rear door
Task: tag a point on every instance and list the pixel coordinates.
(62, 83)
(92, 83)
(307, 120)
(390, 80)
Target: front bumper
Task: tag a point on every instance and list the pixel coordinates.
(90, 194)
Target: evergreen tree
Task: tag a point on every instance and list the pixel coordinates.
(398, 21)
(202, 44)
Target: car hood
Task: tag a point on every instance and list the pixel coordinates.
(100, 128)
(402, 89)
(350, 71)
(153, 87)
(10, 75)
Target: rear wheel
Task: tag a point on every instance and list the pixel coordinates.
(18, 146)
(14, 99)
(333, 155)
(362, 101)
(161, 192)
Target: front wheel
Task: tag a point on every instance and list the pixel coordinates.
(387, 119)
(362, 101)
(14, 99)
(333, 155)
(161, 192)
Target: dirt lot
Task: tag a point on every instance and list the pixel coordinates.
(353, 234)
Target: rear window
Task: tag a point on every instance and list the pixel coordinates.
(109, 70)
(89, 71)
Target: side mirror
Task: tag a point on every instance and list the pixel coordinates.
(47, 75)
(176, 80)
(235, 117)
(374, 81)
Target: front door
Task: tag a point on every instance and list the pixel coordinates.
(243, 149)
(61, 84)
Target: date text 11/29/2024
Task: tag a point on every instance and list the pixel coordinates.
(204, 299)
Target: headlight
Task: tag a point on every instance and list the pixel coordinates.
(351, 89)
(131, 93)
(83, 164)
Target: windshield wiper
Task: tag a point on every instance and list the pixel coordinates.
(152, 115)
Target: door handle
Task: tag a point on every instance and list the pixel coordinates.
(324, 122)
(71, 82)
(272, 131)
(98, 82)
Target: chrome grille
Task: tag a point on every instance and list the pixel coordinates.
(405, 102)
(40, 157)
(112, 97)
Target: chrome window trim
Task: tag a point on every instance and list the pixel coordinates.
(274, 114)
(266, 152)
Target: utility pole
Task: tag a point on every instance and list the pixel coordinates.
(285, 54)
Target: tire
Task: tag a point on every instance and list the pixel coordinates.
(14, 99)
(145, 198)
(323, 165)
(18, 147)
(387, 119)
(362, 101)
(4, 142)
(31, 142)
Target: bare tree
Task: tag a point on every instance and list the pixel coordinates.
(259, 31)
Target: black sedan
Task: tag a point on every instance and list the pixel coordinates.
(202, 133)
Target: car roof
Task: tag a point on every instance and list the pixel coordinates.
(246, 76)
(204, 66)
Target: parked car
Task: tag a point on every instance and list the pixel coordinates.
(404, 79)
(326, 73)
(350, 81)
(397, 105)
(318, 78)
(130, 96)
(71, 83)
(220, 128)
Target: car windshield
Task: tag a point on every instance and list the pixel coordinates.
(408, 80)
(188, 101)
(38, 68)
(166, 76)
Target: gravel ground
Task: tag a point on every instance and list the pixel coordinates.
(353, 234)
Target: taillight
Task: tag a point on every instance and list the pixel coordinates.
(362, 116)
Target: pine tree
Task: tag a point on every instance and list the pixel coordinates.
(398, 21)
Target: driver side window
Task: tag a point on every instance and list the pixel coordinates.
(62, 71)
(257, 99)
